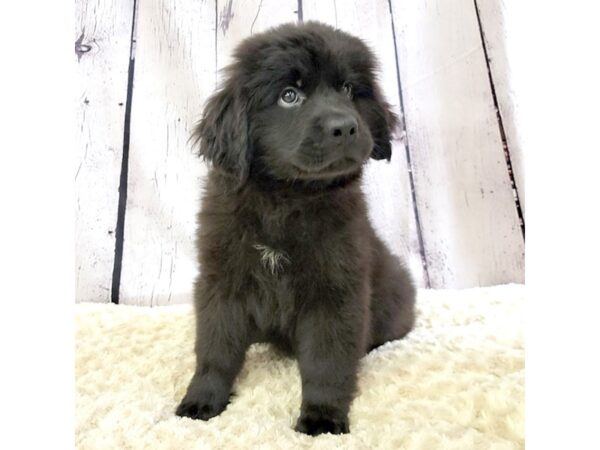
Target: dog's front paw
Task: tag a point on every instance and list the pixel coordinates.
(316, 420)
(201, 407)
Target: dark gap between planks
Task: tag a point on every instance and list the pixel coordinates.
(120, 229)
(408, 158)
(505, 148)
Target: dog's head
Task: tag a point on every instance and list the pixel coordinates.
(300, 102)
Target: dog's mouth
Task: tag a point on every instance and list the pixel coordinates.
(341, 166)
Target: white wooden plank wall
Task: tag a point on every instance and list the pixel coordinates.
(495, 16)
(102, 41)
(469, 224)
(174, 74)
(431, 56)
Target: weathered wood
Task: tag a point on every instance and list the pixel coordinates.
(240, 19)
(469, 224)
(174, 74)
(496, 17)
(102, 43)
(465, 202)
(387, 185)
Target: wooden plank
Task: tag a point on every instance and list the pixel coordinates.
(242, 18)
(387, 185)
(496, 17)
(102, 43)
(174, 74)
(468, 217)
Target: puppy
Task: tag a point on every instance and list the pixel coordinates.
(286, 250)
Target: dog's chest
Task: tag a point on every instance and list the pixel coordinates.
(274, 308)
(279, 247)
(273, 260)
(276, 241)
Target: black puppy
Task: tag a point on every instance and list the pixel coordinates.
(286, 251)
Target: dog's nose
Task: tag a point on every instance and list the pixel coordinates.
(340, 128)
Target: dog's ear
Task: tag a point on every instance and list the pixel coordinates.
(382, 122)
(387, 122)
(223, 132)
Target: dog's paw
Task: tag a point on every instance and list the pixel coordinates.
(200, 407)
(319, 420)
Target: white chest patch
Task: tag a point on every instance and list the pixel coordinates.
(273, 260)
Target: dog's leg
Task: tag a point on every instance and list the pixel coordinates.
(393, 298)
(221, 343)
(329, 349)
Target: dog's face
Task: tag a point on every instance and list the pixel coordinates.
(301, 103)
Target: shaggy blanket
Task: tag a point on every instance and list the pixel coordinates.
(456, 382)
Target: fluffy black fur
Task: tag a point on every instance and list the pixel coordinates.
(286, 251)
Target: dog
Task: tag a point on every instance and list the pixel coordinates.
(286, 251)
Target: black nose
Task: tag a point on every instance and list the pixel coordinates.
(340, 128)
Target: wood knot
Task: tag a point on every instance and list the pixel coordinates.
(80, 47)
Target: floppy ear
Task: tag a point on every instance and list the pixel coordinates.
(386, 124)
(223, 133)
(382, 124)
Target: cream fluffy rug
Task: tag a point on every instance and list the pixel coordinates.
(455, 383)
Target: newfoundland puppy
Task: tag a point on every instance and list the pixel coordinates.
(286, 250)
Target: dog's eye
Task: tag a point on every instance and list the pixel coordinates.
(290, 97)
(347, 87)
